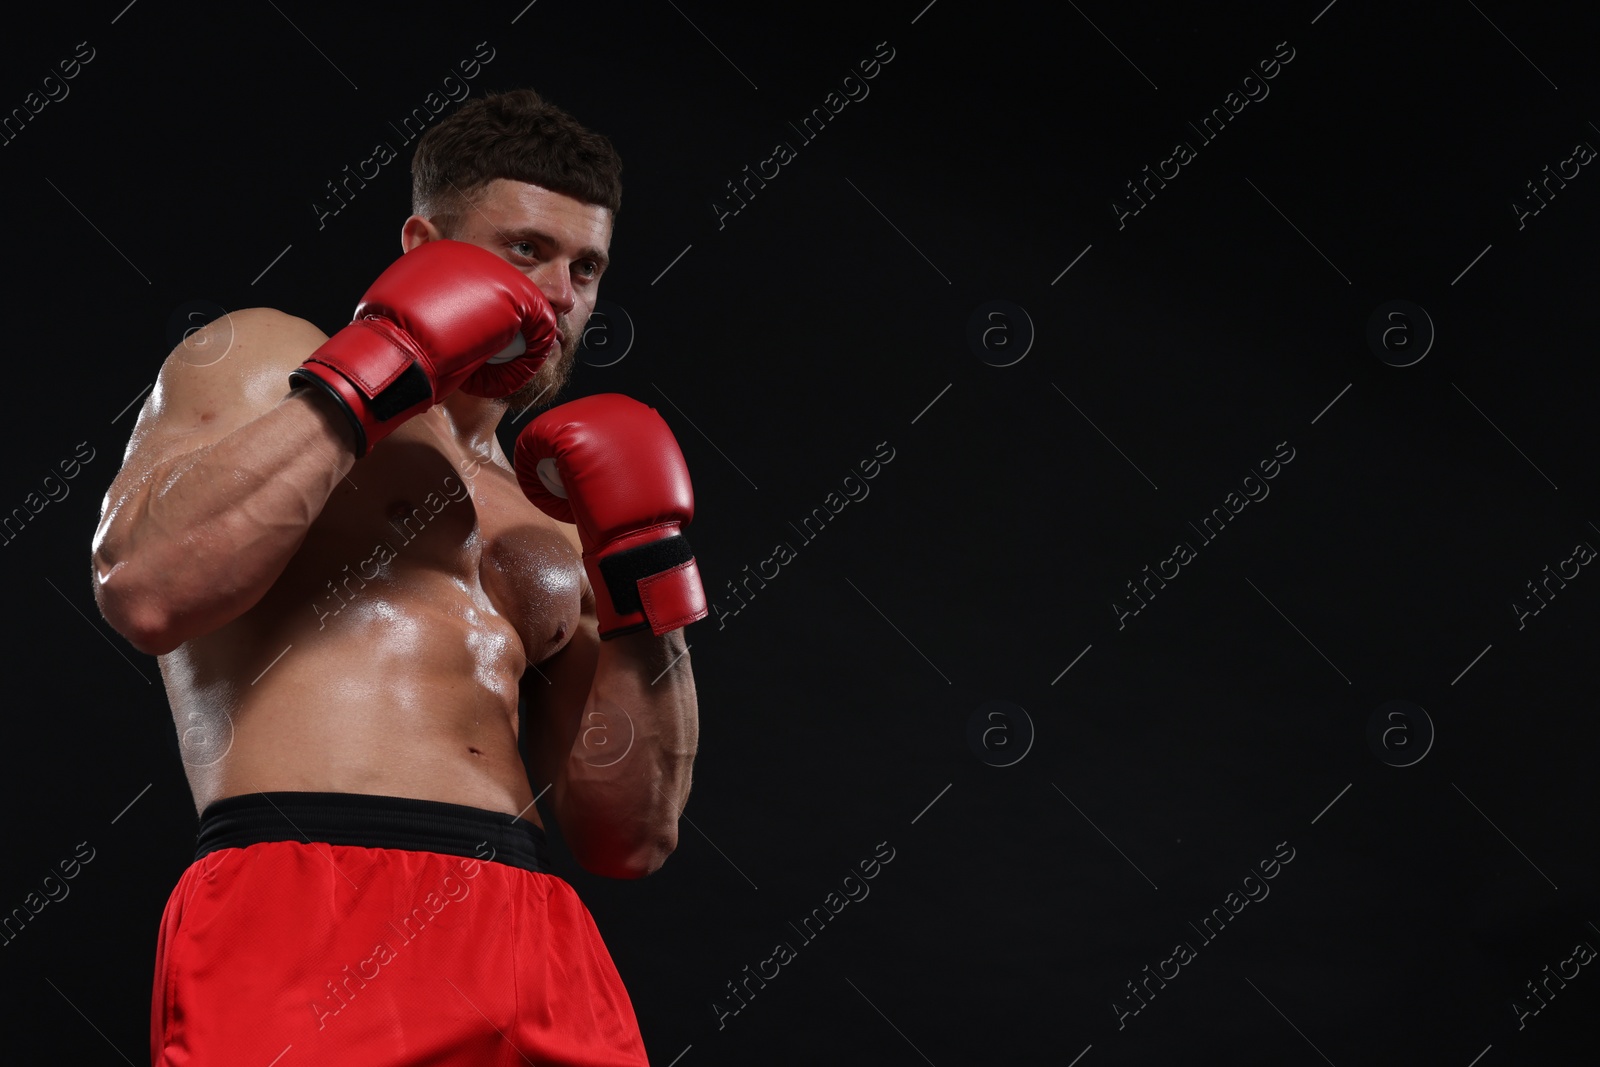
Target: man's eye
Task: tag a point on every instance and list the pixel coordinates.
(517, 247)
(589, 269)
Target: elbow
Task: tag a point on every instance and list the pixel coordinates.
(654, 858)
(138, 617)
(153, 642)
(147, 631)
(631, 865)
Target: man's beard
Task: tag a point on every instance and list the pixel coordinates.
(543, 389)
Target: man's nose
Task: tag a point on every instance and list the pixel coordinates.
(555, 283)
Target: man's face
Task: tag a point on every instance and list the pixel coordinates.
(561, 244)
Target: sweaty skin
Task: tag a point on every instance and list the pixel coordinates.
(401, 676)
(327, 624)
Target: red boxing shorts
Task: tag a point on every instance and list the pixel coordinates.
(336, 928)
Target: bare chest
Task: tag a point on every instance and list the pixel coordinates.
(423, 522)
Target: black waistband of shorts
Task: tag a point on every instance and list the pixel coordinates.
(372, 822)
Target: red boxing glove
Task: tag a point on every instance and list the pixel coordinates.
(610, 465)
(445, 316)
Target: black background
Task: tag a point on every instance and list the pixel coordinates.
(831, 315)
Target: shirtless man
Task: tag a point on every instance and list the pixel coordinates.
(349, 586)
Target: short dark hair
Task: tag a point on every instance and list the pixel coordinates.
(515, 135)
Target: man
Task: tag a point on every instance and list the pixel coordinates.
(348, 584)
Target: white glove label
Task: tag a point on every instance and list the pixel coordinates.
(516, 348)
(551, 477)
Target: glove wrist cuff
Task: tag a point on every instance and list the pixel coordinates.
(372, 375)
(653, 582)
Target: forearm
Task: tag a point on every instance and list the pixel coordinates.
(628, 775)
(205, 534)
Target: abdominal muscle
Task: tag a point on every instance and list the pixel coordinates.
(409, 697)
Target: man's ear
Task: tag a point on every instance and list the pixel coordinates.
(418, 230)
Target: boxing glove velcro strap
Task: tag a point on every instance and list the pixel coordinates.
(372, 375)
(624, 570)
(405, 392)
(374, 356)
(673, 598)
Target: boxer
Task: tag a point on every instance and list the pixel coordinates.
(350, 588)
